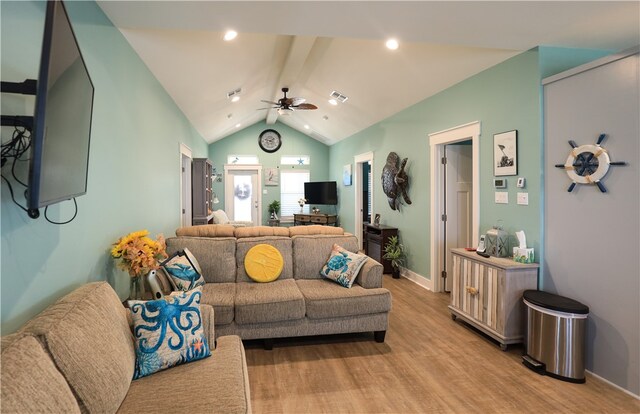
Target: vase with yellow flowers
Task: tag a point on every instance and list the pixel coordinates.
(139, 254)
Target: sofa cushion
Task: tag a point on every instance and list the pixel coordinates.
(217, 256)
(221, 296)
(315, 229)
(216, 384)
(325, 299)
(168, 332)
(283, 244)
(87, 334)
(310, 253)
(184, 270)
(31, 383)
(263, 263)
(259, 231)
(343, 266)
(268, 302)
(207, 230)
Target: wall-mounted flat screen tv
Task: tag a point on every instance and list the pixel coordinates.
(321, 192)
(62, 116)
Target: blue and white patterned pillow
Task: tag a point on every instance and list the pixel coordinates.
(168, 332)
(184, 270)
(343, 266)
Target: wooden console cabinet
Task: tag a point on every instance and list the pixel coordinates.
(322, 219)
(374, 238)
(487, 293)
(201, 192)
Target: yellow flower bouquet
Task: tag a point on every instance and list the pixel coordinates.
(139, 253)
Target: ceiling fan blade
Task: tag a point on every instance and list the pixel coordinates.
(297, 101)
(269, 102)
(305, 106)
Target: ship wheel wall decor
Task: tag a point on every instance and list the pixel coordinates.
(588, 164)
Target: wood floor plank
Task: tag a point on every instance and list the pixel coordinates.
(427, 364)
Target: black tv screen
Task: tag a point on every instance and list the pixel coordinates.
(321, 192)
(62, 116)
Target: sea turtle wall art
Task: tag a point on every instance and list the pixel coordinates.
(395, 180)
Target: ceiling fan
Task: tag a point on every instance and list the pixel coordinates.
(286, 105)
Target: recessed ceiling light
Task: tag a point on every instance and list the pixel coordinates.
(230, 35)
(235, 98)
(333, 102)
(326, 118)
(238, 125)
(392, 44)
(306, 126)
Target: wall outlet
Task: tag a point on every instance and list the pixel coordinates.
(265, 191)
(502, 197)
(523, 199)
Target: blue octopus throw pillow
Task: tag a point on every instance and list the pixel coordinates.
(168, 332)
(184, 270)
(343, 266)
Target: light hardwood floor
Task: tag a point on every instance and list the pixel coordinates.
(428, 364)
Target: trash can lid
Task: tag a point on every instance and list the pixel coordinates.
(554, 302)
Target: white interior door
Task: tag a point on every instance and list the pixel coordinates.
(243, 195)
(458, 196)
(185, 186)
(358, 182)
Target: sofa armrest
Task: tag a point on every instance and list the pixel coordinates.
(206, 311)
(370, 275)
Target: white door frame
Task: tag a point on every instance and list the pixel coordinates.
(186, 152)
(437, 141)
(228, 190)
(358, 160)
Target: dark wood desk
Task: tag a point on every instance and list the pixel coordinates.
(374, 238)
(322, 219)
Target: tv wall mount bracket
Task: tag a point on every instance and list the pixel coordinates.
(28, 87)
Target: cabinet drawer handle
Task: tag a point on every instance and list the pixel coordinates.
(471, 290)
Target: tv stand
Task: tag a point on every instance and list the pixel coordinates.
(322, 219)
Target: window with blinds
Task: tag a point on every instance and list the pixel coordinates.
(292, 190)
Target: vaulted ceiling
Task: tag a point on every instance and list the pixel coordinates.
(316, 47)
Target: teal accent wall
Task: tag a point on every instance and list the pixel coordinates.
(245, 142)
(134, 164)
(503, 98)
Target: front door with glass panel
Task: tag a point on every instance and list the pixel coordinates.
(243, 198)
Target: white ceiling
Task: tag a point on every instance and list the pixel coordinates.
(315, 47)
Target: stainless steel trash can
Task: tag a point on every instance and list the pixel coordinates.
(555, 335)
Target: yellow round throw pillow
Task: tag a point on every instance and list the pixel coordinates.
(263, 263)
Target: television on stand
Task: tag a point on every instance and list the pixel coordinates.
(61, 123)
(321, 192)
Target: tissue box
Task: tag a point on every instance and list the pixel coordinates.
(521, 255)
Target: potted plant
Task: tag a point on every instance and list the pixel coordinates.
(394, 251)
(274, 208)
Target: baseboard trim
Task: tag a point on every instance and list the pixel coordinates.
(637, 397)
(417, 278)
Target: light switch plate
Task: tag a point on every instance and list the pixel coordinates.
(523, 199)
(502, 197)
(265, 191)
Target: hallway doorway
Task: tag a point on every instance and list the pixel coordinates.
(455, 171)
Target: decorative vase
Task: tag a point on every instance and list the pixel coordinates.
(135, 288)
(301, 209)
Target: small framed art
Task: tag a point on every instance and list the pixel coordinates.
(505, 153)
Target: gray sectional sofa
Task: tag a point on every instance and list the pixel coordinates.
(78, 356)
(300, 302)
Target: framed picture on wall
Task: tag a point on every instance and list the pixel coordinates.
(505, 153)
(271, 176)
(346, 174)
